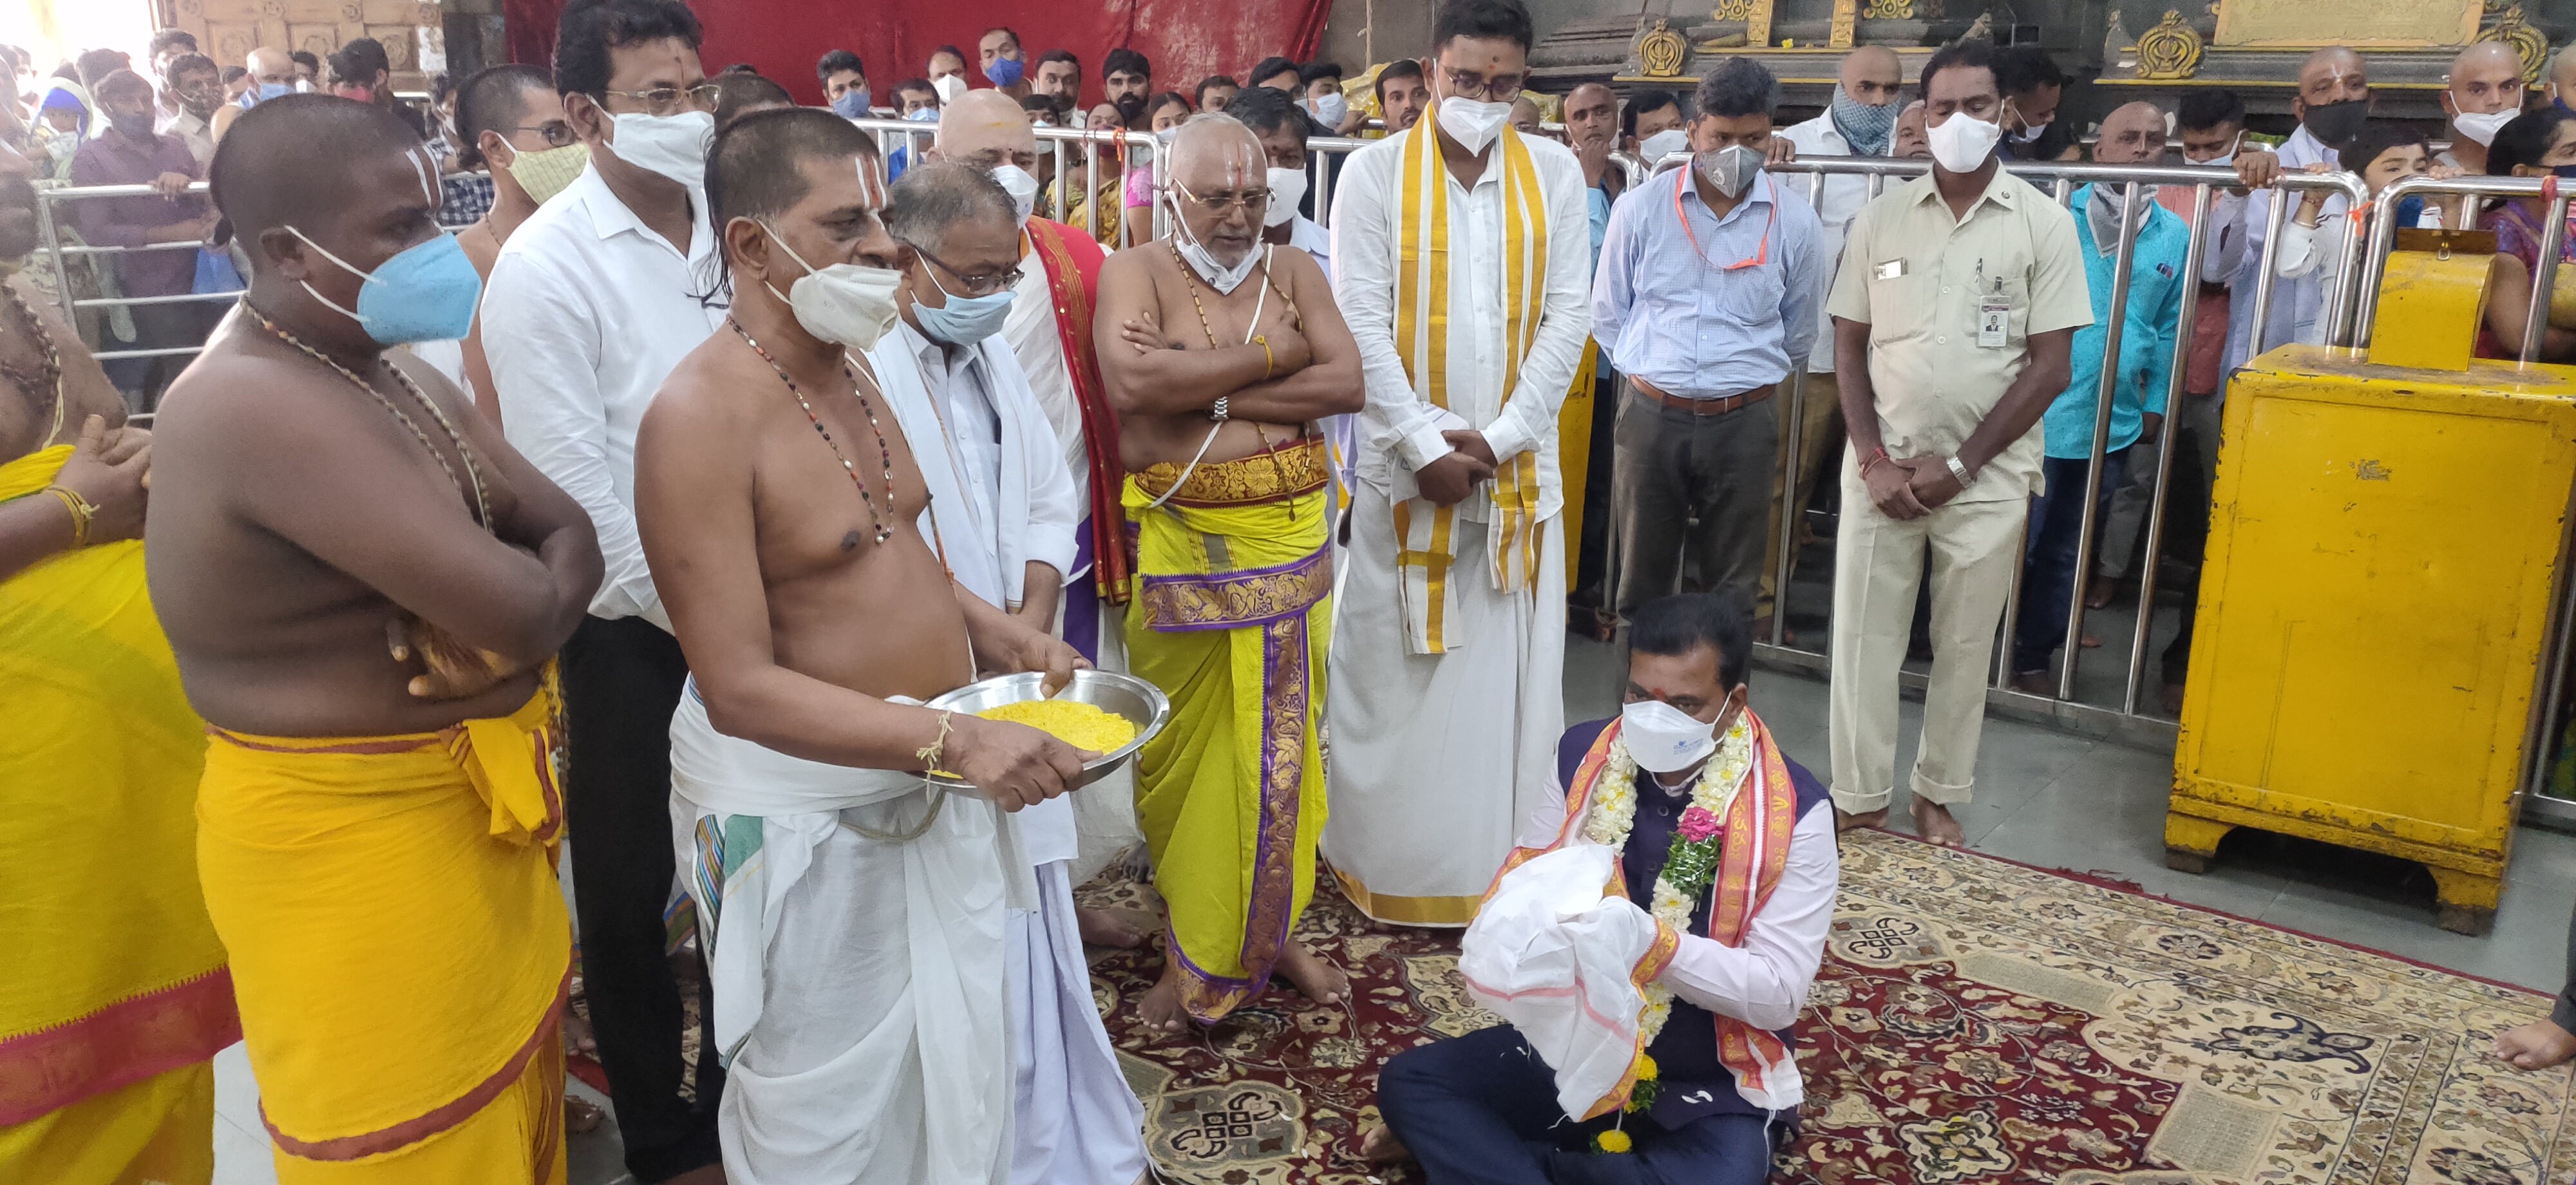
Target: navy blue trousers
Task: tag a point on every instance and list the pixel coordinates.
(2048, 573)
(1481, 1110)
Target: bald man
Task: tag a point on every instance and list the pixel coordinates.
(2482, 93)
(356, 582)
(1220, 353)
(2333, 102)
(272, 75)
(2562, 79)
(1861, 121)
(2132, 134)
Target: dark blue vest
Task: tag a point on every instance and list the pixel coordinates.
(1695, 1082)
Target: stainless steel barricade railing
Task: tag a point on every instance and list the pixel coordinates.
(58, 256)
(2122, 718)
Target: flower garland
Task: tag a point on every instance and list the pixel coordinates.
(1689, 865)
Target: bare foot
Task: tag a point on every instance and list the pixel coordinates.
(581, 1116)
(1378, 1145)
(2090, 641)
(2100, 594)
(576, 1035)
(1160, 1007)
(2535, 1046)
(2034, 683)
(1846, 821)
(1322, 982)
(1107, 927)
(711, 1174)
(1934, 823)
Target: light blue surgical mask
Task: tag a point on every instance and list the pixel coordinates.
(266, 91)
(964, 320)
(425, 293)
(853, 104)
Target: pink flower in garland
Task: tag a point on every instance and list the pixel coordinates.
(1698, 824)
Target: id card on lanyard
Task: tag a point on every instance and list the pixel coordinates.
(1761, 254)
(1994, 312)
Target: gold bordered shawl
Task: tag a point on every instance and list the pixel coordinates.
(1429, 532)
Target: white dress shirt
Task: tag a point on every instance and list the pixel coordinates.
(2297, 304)
(1314, 240)
(1401, 431)
(1035, 339)
(585, 314)
(999, 493)
(1845, 194)
(1763, 982)
(196, 130)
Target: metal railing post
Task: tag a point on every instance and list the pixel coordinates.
(1794, 433)
(49, 239)
(2106, 392)
(2177, 389)
(2544, 276)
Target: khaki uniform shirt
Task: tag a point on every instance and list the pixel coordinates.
(1925, 284)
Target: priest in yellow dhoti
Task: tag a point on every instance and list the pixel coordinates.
(364, 586)
(1220, 353)
(113, 993)
(1461, 252)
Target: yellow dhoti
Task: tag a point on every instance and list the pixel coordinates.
(399, 945)
(113, 994)
(1231, 616)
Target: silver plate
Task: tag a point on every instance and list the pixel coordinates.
(1125, 696)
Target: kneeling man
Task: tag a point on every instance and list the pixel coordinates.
(857, 913)
(1723, 834)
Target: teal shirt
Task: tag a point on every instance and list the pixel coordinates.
(2147, 343)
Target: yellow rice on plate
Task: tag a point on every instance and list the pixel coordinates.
(1083, 726)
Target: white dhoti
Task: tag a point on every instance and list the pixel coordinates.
(1436, 759)
(1078, 1122)
(859, 983)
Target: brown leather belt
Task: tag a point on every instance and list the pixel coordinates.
(1702, 407)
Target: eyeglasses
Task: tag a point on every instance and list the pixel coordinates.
(974, 285)
(1502, 88)
(557, 133)
(1218, 204)
(672, 100)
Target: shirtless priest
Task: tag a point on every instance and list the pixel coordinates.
(858, 914)
(1220, 353)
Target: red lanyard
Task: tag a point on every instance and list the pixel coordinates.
(1761, 254)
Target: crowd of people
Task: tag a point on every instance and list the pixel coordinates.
(618, 456)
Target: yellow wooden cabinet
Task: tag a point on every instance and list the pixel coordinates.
(2375, 611)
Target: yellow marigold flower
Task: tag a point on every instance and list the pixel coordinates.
(1612, 1140)
(1645, 1068)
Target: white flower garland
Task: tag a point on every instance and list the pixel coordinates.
(1612, 814)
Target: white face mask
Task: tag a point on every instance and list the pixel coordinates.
(847, 303)
(1331, 109)
(1662, 144)
(1472, 124)
(2031, 133)
(673, 146)
(1023, 189)
(2224, 160)
(2483, 126)
(950, 87)
(1287, 188)
(1218, 276)
(1962, 142)
(1664, 739)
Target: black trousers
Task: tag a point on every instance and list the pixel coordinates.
(621, 682)
(1592, 552)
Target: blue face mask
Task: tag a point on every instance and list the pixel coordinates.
(1003, 71)
(924, 115)
(853, 104)
(425, 293)
(964, 320)
(2566, 171)
(2409, 210)
(264, 92)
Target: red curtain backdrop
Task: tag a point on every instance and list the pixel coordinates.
(1186, 40)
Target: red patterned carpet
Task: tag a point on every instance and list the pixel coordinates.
(1975, 1021)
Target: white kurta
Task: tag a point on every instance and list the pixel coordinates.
(859, 983)
(2299, 303)
(1000, 496)
(1459, 745)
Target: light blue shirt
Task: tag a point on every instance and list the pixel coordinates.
(1672, 312)
(2146, 344)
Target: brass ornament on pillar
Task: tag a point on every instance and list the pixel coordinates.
(1660, 51)
(2171, 50)
(1888, 10)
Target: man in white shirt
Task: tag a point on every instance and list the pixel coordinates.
(2481, 94)
(1450, 628)
(1485, 1107)
(2333, 102)
(1002, 515)
(196, 88)
(1861, 121)
(589, 306)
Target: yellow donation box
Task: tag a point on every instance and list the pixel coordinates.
(2375, 611)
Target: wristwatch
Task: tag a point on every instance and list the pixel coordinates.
(1960, 471)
